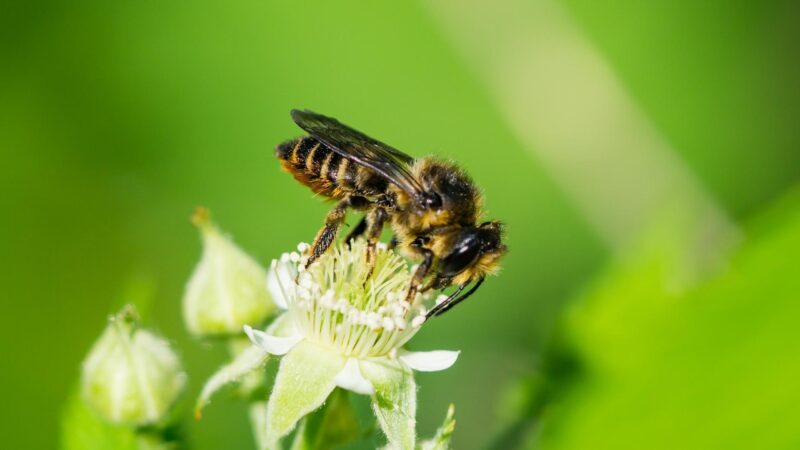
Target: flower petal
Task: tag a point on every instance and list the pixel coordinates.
(350, 378)
(304, 381)
(275, 345)
(282, 326)
(394, 402)
(429, 361)
(280, 280)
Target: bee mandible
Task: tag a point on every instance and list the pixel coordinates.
(432, 205)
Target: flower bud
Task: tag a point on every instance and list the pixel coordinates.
(131, 376)
(227, 289)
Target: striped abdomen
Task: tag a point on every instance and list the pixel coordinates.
(318, 167)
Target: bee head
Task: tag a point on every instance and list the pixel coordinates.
(476, 248)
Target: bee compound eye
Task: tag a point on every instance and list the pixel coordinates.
(459, 259)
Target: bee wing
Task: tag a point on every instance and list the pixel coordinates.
(360, 148)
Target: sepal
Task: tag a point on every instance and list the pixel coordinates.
(248, 360)
(304, 381)
(394, 402)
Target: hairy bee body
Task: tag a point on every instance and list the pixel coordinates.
(432, 206)
(328, 174)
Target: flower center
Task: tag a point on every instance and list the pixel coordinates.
(343, 302)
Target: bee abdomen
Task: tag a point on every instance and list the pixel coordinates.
(316, 166)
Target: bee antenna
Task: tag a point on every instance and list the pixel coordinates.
(452, 301)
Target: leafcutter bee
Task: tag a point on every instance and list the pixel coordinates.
(432, 205)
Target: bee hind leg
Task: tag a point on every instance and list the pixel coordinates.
(333, 221)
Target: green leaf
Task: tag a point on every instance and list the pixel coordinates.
(394, 402)
(441, 441)
(711, 366)
(304, 381)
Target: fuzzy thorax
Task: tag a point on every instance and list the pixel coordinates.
(340, 302)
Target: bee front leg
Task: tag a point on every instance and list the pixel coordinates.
(420, 274)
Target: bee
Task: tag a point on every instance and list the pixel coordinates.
(432, 205)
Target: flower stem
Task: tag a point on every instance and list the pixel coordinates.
(257, 408)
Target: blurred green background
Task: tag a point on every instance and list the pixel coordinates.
(643, 154)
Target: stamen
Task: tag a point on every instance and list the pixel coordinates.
(334, 305)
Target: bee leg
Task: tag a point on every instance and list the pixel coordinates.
(452, 301)
(419, 274)
(393, 243)
(375, 220)
(437, 282)
(357, 231)
(334, 219)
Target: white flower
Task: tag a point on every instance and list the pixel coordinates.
(131, 376)
(346, 328)
(226, 290)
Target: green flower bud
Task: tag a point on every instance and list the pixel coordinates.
(227, 289)
(131, 376)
